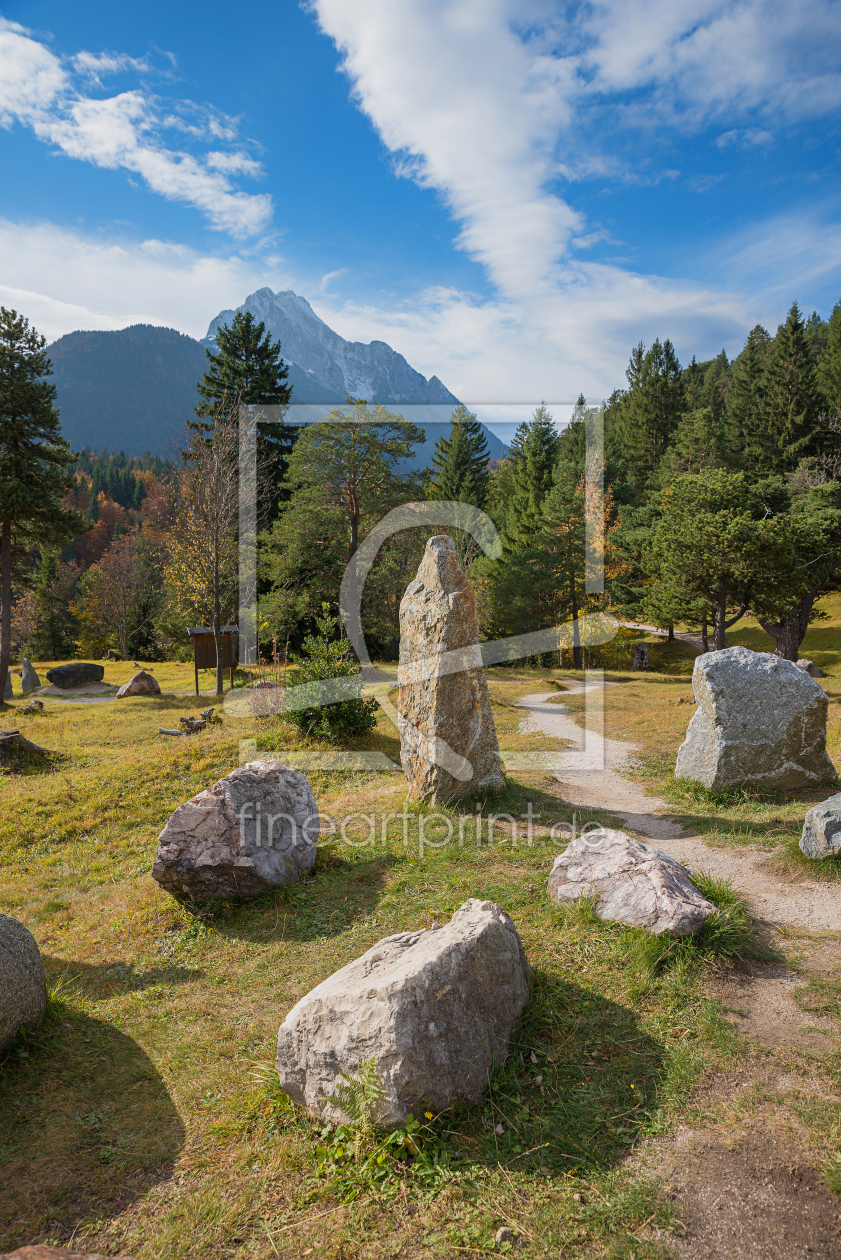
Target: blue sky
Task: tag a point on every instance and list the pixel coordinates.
(509, 193)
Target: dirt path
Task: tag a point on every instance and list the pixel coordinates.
(776, 898)
(694, 640)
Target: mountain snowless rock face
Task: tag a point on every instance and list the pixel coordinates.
(328, 367)
(435, 1009)
(448, 743)
(759, 719)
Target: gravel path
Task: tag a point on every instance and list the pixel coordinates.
(793, 900)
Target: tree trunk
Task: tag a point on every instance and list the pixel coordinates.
(5, 603)
(788, 633)
(719, 620)
(704, 637)
(671, 637)
(576, 632)
(217, 627)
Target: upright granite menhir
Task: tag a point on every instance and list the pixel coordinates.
(448, 743)
(760, 720)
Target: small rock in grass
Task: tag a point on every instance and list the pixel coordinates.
(503, 1234)
(499, 1130)
(821, 835)
(435, 1010)
(141, 684)
(635, 884)
(813, 670)
(23, 983)
(253, 830)
(538, 1080)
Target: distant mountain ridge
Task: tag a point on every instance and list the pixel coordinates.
(324, 367)
(132, 389)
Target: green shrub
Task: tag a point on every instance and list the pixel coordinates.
(314, 708)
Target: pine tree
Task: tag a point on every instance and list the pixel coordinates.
(247, 369)
(33, 462)
(745, 402)
(698, 444)
(792, 397)
(461, 462)
(829, 366)
(534, 453)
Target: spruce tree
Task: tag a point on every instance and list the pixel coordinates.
(247, 369)
(792, 398)
(650, 409)
(745, 402)
(534, 453)
(829, 366)
(33, 461)
(461, 462)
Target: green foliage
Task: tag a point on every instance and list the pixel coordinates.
(459, 464)
(534, 452)
(829, 366)
(792, 399)
(649, 412)
(726, 933)
(341, 480)
(358, 1096)
(327, 658)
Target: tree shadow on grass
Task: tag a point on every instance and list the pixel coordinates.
(86, 1125)
(601, 1077)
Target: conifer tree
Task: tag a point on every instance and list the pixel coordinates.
(649, 411)
(534, 452)
(247, 369)
(460, 462)
(745, 402)
(792, 398)
(829, 367)
(33, 462)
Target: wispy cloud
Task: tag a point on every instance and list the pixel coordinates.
(498, 105)
(128, 131)
(744, 138)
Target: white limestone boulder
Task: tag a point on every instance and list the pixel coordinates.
(253, 830)
(140, 684)
(634, 883)
(23, 982)
(435, 1009)
(760, 719)
(821, 836)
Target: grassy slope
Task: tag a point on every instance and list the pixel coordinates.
(133, 1118)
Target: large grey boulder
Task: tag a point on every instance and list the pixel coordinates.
(253, 830)
(75, 674)
(759, 720)
(141, 684)
(29, 679)
(634, 883)
(448, 743)
(821, 836)
(23, 982)
(435, 1009)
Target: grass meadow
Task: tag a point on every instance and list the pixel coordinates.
(141, 1117)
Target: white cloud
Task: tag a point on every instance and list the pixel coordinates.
(63, 280)
(745, 138)
(126, 131)
(492, 102)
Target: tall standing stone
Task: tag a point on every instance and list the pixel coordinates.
(29, 679)
(448, 743)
